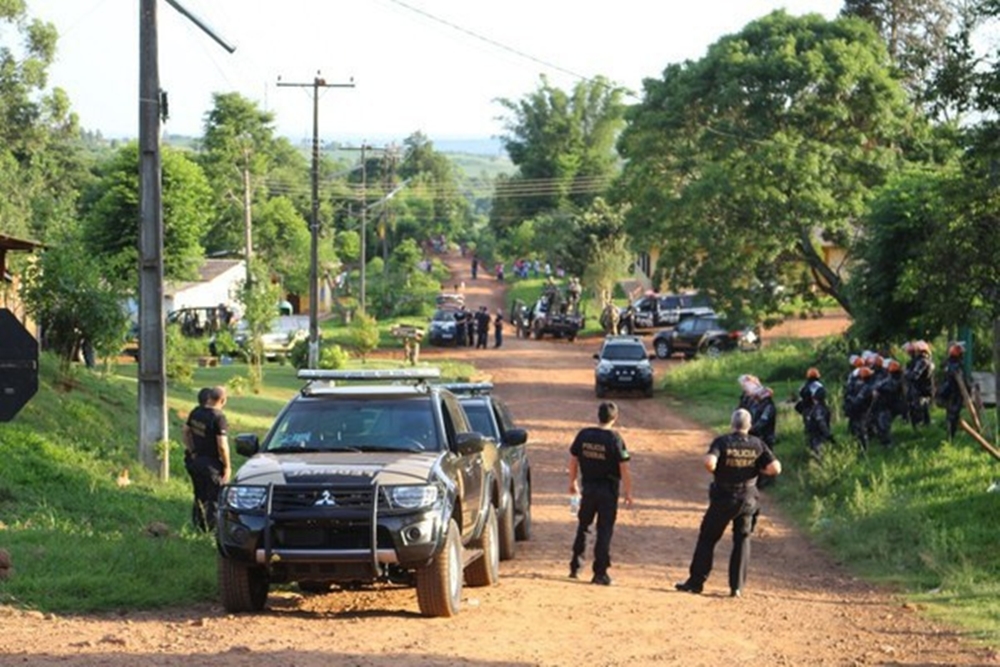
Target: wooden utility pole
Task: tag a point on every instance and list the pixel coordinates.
(153, 432)
(316, 84)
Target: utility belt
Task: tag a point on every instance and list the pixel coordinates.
(733, 490)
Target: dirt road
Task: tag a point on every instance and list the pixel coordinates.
(800, 608)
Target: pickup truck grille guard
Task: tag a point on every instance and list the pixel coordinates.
(304, 522)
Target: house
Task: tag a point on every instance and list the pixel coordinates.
(219, 281)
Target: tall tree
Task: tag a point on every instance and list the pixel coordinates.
(740, 166)
(563, 145)
(111, 215)
(916, 33)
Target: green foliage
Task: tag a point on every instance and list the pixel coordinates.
(67, 294)
(259, 298)
(754, 154)
(917, 516)
(111, 214)
(364, 335)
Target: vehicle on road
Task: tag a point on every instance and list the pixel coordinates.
(655, 311)
(556, 318)
(623, 365)
(490, 416)
(706, 334)
(365, 476)
(443, 329)
(284, 333)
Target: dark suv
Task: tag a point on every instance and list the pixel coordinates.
(623, 364)
(361, 483)
(708, 335)
(490, 416)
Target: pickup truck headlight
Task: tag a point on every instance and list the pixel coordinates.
(604, 368)
(413, 497)
(244, 497)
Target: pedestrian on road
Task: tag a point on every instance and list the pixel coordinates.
(736, 460)
(207, 449)
(599, 457)
(482, 327)
(498, 329)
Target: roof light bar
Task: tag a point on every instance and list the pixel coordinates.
(428, 373)
(468, 387)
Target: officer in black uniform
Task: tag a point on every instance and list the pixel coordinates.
(736, 460)
(950, 396)
(207, 450)
(919, 378)
(598, 456)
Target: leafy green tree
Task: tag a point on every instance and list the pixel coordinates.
(431, 204)
(111, 215)
(260, 299)
(236, 154)
(607, 247)
(41, 164)
(284, 239)
(67, 293)
(741, 164)
(364, 335)
(563, 146)
(916, 34)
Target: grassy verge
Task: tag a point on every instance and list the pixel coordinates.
(917, 517)
(80, 539)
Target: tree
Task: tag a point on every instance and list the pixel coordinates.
(283, 240)
(364, 335)
(259, 297)
(740, 164)
(432, 204)
(41, 166)
(67, 293)
(111, 215)
(916, 34)
(237, 147)
(563, 146)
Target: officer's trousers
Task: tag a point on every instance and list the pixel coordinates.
(723, 510)
(600, 499)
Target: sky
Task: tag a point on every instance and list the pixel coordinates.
(434, 66)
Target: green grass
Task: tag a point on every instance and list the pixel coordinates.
(80, 542)
(917, 517)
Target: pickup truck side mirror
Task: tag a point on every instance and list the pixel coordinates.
(596, 356)
(469, 443)
(247, 444)
(515, 437)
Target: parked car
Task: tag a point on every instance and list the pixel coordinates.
(623, 364)
(705, 334)
(489, 415)
(655, 311)
(285, 332)
(443, 329)
(369, 482)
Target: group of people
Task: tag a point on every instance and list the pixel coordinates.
(599, 474)
(472, 329)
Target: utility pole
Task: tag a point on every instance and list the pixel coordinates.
(364, 148)
(153, 432)
(316, 84)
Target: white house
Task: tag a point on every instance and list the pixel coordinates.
(219, 281)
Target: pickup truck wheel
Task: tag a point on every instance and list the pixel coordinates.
(713, 350)
(242, 587)
(506, 528)
(571, 337)
(485, 571)
(599, 390)
(662, 349)
(523, 530)
(439, 584)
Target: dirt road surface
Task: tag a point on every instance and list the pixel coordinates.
(800, 607)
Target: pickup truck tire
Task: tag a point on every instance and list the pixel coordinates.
(485, 571)
(439, 583)
(242, 587)
(662, 349)
(713, 350)
(523, 531)
(506, 529)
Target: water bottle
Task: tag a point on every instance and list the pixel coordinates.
(574, 503)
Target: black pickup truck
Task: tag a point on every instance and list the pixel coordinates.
(361, 483)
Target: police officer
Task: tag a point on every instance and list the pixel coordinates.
(950, 395)
(207, 451)
(858, 405)
(806, 392)
(888, 401)
(599, 458)
(736, 460)
(919, 378)
(461, 322)
(482, 327)
(817, 421)
(763, 416)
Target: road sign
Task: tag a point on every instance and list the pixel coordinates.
(18, 365)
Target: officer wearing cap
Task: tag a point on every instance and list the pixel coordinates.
(736, 460)
(950, 395)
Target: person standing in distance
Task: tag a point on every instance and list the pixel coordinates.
(209, 464)
(736, 460)
(599, 458)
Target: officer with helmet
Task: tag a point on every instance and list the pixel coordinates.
(858, 405)
(815, 413)
(887, 401)
(919, 377)
(950, 396)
